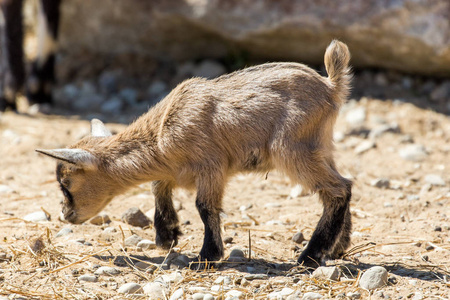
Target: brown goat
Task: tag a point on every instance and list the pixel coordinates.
(275, 115)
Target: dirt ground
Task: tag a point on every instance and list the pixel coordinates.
(400, 223)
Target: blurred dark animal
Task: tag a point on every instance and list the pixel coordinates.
(272, 116)
(41, 77)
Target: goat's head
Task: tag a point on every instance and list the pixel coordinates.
(86, 187)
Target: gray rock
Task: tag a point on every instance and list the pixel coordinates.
(224, 280)
(110, 230)
(209, 69)
(157, 88)
(331, 273)
(38, 216)
(130, 288)
(373, 278)
(356, 116)
(256, 276)
(135, 217)
(88, 278)
(178, 294)
(441, 93)
(364, 146)
(418, 296)
(434, 179)
(147, 244)
(311, 296)
(298, 238)
(109, 271)
(174, 277)
(113, 106)
(180, 262)
(155, 290)
(382, 183)
(413, 152)
(228, 240)
(100, 219)
(237, 252)
(132, 240)
(265, 30)
(63, 232)
(382, 129)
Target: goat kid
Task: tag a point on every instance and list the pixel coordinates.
(271, 116)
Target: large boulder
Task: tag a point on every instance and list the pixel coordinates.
(406, 35)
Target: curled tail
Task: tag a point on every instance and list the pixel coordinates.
(337, 58)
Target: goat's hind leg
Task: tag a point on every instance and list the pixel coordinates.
(332, 234)
(166, 218)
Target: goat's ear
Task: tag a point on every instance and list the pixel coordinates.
(78, 157)
(98, 129)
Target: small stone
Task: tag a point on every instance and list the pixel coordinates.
(4, 189)
(272, 205)
(298, 238)
(178, 294)
(338, 136)
(224, 280)
(63, 232)
(256, 276)
(330, 273)
(110, 230)
(388, 204)
(236, 252)
(365, 146)
(356, 116)
(438, 228)
(198, 296)
(110, 271)
(88, 103)
(354, 295)
(234, 294)
(146, 244)
(208, 297)
(297, 191)
(88, 278)
(100, 219)
(434, 179)
(130, 288)
(311, 296)
(382, 183)
(177, 205)
(373, 278)
(38, 216)
(108, 81)
(209, 69)
(429, 247)
(132, 240)
(228, 240)
(174, 277)
(155, 290)
(413, 152)
(157, 88)
(286, 292)
(382, 129)
(418, 296)
(135, 217)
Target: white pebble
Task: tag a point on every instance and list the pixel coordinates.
(374, 278)
(434, 179)
(234, 294)
(64, 231)
(155, 290)
(38, 216)
(413, 152)
(132, 240)
(178, 294)
(365, 146)
(331, 273)
(198, 296)
(311, 296)
(100, 219)
(129, 288)
(107, 271)
(356, 116)
(147, 244)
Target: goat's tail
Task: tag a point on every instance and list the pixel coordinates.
(337, 58)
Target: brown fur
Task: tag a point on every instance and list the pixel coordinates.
(276, 115)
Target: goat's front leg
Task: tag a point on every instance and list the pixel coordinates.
(209, 205)
(12, 70)
(42, 74)
(166, 218)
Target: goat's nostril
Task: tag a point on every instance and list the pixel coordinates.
(69, 216)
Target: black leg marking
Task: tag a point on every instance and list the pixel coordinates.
(12, 70)
(332, 234)
(166, 218)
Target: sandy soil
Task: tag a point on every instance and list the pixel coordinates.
(403, 227)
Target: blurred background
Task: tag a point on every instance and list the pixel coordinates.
(122, 56)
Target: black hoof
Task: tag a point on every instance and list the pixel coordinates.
(168, 238)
